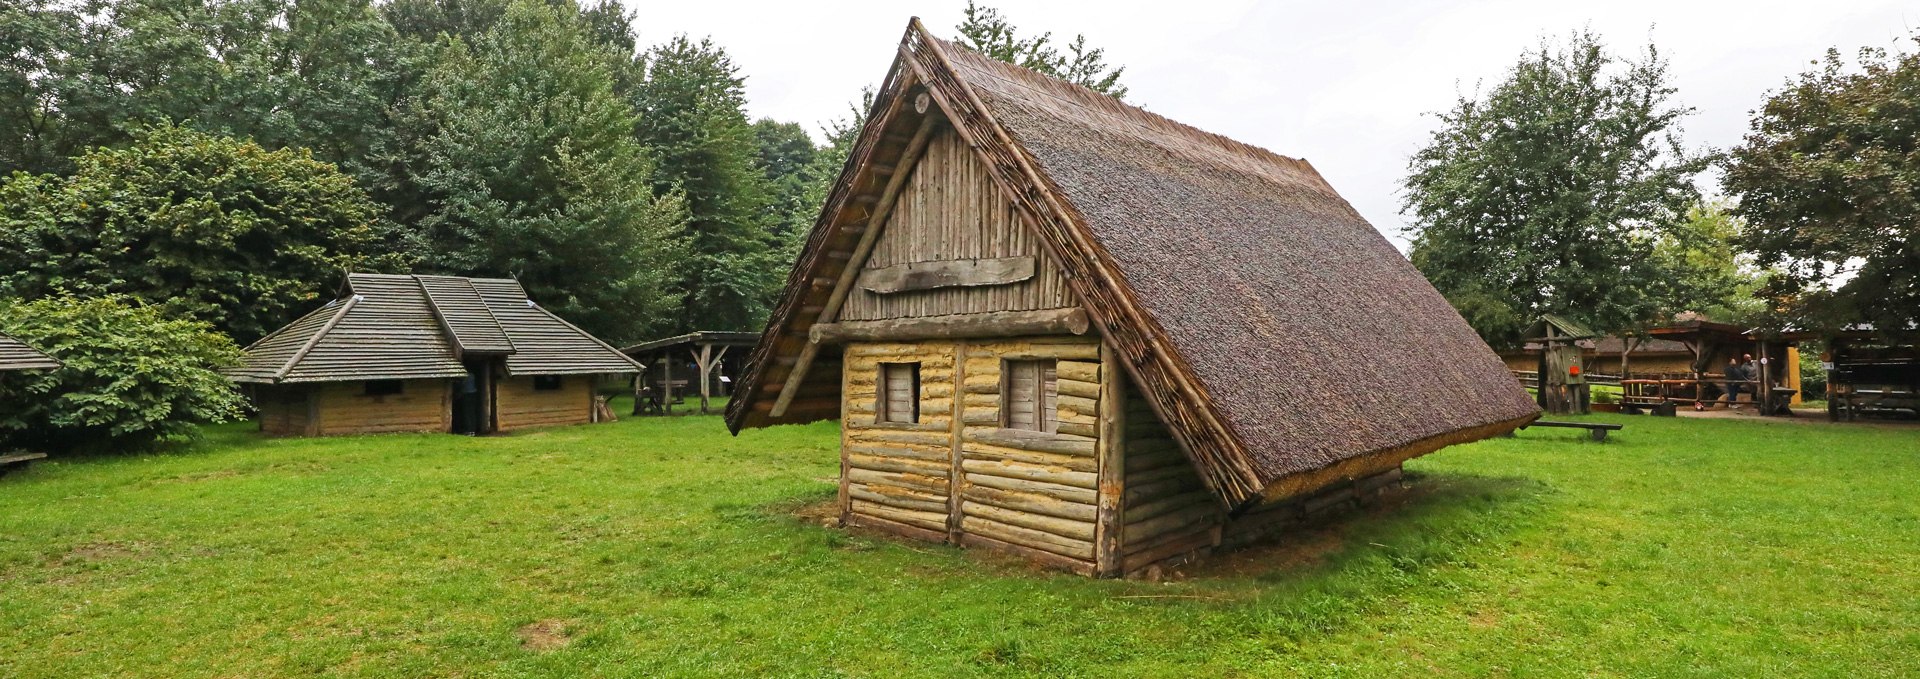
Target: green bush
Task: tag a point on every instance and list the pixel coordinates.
(132, 377)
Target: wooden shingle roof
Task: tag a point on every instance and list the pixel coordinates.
(1224, 276)
(420, 327)
(16, 355)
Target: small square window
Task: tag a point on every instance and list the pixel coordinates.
(546, 382)
(1030, 396)
(899, 393)
(384, 387)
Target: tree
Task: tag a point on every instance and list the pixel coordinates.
(1829, 184)
(985, 31)
(132, 376)
(200, 225)
(532, 172)
(694, 124)
(786, 154)
(1551, 193)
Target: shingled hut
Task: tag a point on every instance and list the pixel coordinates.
(426, 353)
(16, 355)
(1061, 326)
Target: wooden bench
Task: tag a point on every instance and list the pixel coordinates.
(1598, 430)
(19, 458)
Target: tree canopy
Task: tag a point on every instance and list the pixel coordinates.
(1828, 181)
(1552, 193)
(203, 225)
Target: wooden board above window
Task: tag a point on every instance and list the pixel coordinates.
(950, 273)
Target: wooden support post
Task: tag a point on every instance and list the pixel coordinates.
(844, 284)
(704, 360)
(666, 384)
(955, 475)
(1112, 451)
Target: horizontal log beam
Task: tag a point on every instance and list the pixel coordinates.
(949, 273)
(957, 326)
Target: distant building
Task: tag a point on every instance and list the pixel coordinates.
(426, 353)
(16, 355)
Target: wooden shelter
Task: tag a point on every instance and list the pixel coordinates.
(426, 353)
(699, 356)
(1869, 374)
(1774, 388)
(1061, 326)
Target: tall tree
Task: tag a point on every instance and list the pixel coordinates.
(532, 171)
(1549, 194)
(200, 225)
(1828, 180)
(786, 154)
(986, 31)
(693, 122)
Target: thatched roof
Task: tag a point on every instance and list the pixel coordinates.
(16, 355)
(1282, 339)
(419, 327)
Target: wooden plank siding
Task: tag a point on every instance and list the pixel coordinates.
(336, 408)
(949, 211)
(518, 405)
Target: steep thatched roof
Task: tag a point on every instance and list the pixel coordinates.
(1284, 342)
(16, 355)
(419, 327)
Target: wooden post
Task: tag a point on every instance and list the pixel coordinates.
(955, 476)
(1112, 450)
(704, 360)
(639, 385)
(666, 384)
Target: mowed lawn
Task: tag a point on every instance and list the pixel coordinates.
(665, 547)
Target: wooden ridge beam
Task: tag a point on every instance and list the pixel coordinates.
(1071, 321)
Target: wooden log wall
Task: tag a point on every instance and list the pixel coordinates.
(344, 408)
(283, 410)
(518, 405)
(1167, 514)
(949, 211)
(895, 475)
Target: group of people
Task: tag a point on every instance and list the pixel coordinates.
(1742, 375)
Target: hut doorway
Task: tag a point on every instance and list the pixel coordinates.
(473, 400)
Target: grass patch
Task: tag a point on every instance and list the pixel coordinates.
(665, 547)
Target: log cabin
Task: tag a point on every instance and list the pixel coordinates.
(1057, 325)
(407, 353)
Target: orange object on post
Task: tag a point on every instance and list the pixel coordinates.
(1573, 370)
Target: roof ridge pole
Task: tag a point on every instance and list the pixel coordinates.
(889, 196)
(281, 374)
(1241, 493)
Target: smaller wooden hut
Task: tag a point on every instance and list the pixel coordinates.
(1563, 382)
(1869, 375)
(426, 353)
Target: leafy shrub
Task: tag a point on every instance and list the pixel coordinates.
(132, 376)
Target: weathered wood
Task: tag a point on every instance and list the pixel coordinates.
(1058, 491)
(1171, 551)
(904, 465)
(1029, 502)
(955, 326)
(1079, 463)
(844, 283)
(1066, 528)
(1063, 444)
(1149, 460)
(1078, 388)
(951, 273)
(955, 452)
(933, 484)
(1079, 371)
(15, 458)
(1112, 451)
(1178, 520)
(1037, 539)
(1168, 504)
(1079, 429)
(1018, 470)
(898, 497)
(1039, 556)
(927, 520)
(894, 527)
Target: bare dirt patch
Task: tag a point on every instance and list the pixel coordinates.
(102, 551)
(545, 635)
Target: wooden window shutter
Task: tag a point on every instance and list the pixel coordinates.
(899, 393)
(1030, 396)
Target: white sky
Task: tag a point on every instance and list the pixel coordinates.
(1345, 85)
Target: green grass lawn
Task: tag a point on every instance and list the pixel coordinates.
(665, 547)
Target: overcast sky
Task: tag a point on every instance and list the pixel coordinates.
(1346, 85)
